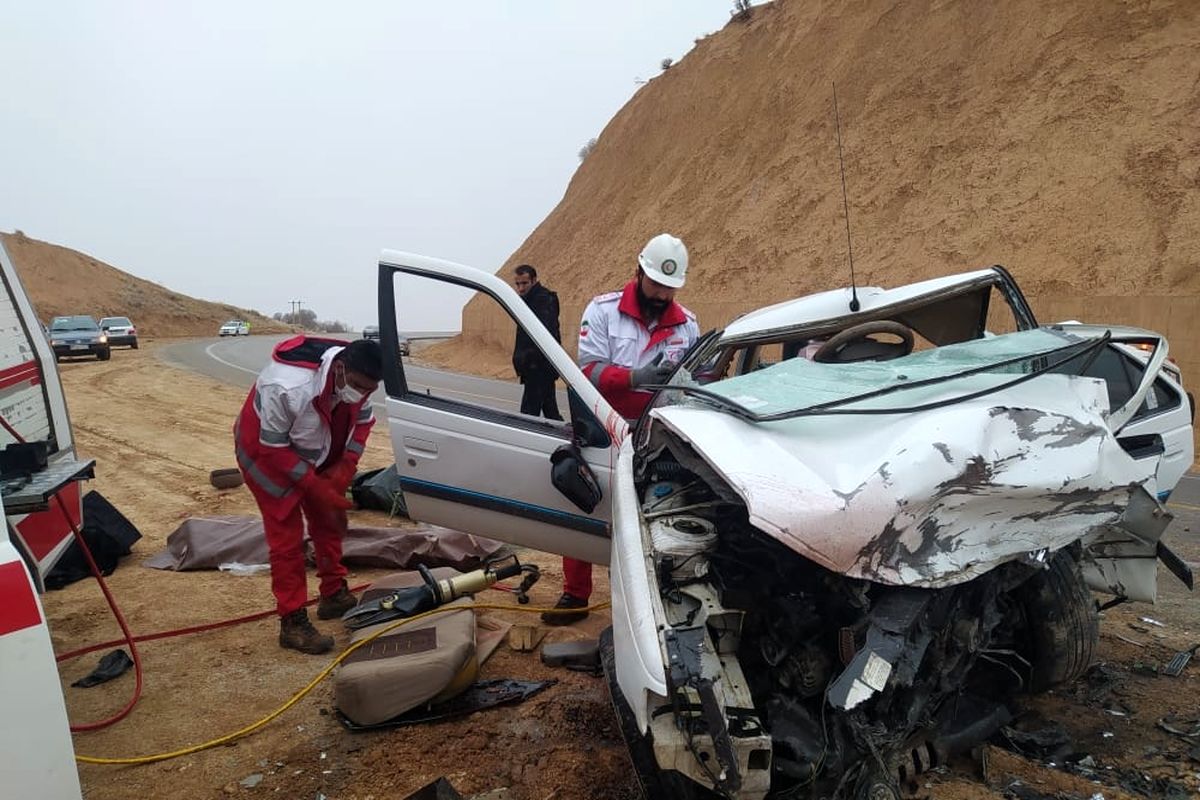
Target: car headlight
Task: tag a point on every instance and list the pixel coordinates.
(102, 339)
(55, 342)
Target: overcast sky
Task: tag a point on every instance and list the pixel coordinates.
(261, 152)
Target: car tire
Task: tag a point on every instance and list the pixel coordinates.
(104, 355)
(134, 346)
(1062, 621)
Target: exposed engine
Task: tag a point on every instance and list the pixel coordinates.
(790, 681)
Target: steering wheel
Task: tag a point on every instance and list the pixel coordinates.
(857, 343)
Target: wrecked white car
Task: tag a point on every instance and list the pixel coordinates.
(840, 540)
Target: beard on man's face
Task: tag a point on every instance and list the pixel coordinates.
(650, 306)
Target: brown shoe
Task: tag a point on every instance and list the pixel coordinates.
(337, 604)
(566, 617)
(296, 632)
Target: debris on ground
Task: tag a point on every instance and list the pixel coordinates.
(1175, 666)
(250, 781)
(1189, 728)
(112, 665)
(581, 656)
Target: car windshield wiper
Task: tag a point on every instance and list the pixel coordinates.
(833, 406)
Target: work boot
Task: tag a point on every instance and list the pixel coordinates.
(566, 617)
(296, 632)
(336, 604)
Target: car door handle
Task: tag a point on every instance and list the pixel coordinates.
(420, 447)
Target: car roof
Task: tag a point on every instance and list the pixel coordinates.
(834, 305)
(73, 318)
(106, 319)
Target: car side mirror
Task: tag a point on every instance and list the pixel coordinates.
(572, 476)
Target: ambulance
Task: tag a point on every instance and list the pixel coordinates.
(37, 758)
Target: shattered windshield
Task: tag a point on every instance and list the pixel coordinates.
(798, 386)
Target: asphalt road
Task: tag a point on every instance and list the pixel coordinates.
(237, 360)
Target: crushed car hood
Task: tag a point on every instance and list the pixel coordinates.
(921, 498)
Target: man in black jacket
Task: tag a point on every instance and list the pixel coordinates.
(531, 366)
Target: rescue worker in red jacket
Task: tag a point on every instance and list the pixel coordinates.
(298, 439)
(629, 340)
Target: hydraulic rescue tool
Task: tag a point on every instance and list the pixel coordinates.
(415, 599)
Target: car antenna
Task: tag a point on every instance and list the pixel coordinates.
(837, 119)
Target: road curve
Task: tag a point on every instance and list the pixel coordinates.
(237, 360)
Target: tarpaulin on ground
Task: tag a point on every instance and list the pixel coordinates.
(208, 542)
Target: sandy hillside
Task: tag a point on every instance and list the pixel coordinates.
(64, 281)
(1057, 139)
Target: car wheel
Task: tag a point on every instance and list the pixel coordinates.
(655, 783)
(1062, 621)
(134, 346)
(104, 355)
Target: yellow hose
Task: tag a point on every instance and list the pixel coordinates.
(322, 675)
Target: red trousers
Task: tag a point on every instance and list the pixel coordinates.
(577, 578)
(285, 541)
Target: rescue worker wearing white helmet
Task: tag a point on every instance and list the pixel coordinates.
(629, 340)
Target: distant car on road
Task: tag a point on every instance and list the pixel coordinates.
(372, 332)
(78, 336)
(235, 327)
(120, 331)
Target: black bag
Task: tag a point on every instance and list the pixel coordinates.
(109, 536)
(379, 490)
(572, 476)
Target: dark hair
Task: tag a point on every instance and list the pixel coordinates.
(525, 269)
(363, 356)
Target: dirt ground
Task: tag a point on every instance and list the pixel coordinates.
(157, 431)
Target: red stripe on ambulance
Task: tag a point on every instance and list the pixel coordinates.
(18, 607)
(44, 530)
(20, 374)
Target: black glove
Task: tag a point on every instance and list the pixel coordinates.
(652, 374)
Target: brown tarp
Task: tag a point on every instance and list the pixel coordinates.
(208, 542)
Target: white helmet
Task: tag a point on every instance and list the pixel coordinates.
(665, 260)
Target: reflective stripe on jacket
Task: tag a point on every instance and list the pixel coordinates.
(284, 433)
(614, 340)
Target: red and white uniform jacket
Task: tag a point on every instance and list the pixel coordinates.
(614, 340)
(292, 426)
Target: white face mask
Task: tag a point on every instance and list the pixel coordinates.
(348, 394)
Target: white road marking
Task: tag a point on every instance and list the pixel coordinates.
(215, 357)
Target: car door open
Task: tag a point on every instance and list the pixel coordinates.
(467, 458)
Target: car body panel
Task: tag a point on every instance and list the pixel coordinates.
(636, 611)
(36, 751)
(909, 499)
(823, 309)
(457, 461)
